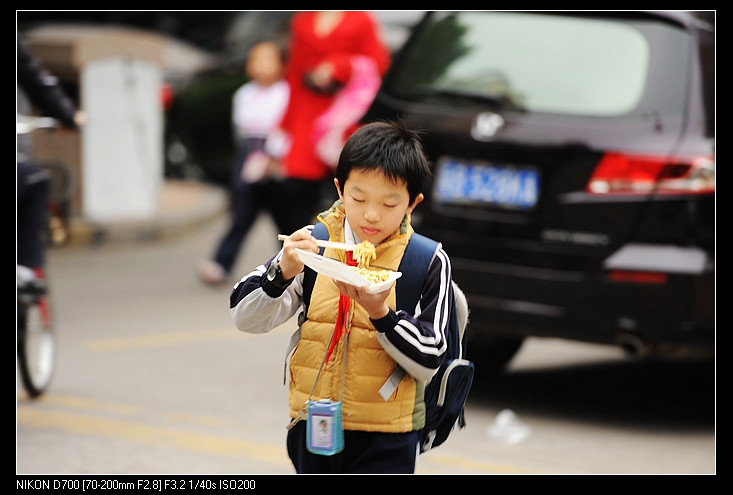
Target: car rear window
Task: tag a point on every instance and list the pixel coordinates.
(535, 62)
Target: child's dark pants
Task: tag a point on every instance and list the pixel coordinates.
(364, 452)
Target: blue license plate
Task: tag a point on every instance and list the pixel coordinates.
(504, 186)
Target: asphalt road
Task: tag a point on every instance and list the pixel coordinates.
(153, 378)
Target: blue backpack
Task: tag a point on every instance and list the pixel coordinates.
(446, 393)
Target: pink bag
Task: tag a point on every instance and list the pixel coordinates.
(349, 105)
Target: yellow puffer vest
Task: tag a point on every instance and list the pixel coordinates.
(367, 365)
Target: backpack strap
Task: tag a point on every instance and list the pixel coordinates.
(414, 266)
(320, 232)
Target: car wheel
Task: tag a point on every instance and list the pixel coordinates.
(492, 354)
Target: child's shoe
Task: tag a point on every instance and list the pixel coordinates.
(212, 273)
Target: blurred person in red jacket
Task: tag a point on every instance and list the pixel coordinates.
(336, 60)
(334, 65)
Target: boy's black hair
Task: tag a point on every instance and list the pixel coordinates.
(390, 147)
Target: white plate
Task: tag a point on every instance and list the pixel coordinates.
(343, 273)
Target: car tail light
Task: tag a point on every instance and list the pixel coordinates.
(166, 96)
(620, 173)
(626, 276)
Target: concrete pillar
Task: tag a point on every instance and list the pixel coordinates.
(119, 73)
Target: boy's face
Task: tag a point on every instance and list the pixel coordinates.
(375, 206)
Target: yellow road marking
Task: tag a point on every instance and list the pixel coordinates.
(159, 340)
(70, 402)
(152, 435)
(174, 338)
(87, 423)
(432, 462)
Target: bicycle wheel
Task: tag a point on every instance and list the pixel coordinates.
(36, 346)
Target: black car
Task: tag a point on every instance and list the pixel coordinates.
(574, 184)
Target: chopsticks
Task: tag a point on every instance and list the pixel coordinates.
(327, 244)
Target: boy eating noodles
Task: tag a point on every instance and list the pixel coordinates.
(351, 341)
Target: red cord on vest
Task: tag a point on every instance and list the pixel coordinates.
(342, 324)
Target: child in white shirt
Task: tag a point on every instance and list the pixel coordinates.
(257, 108)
